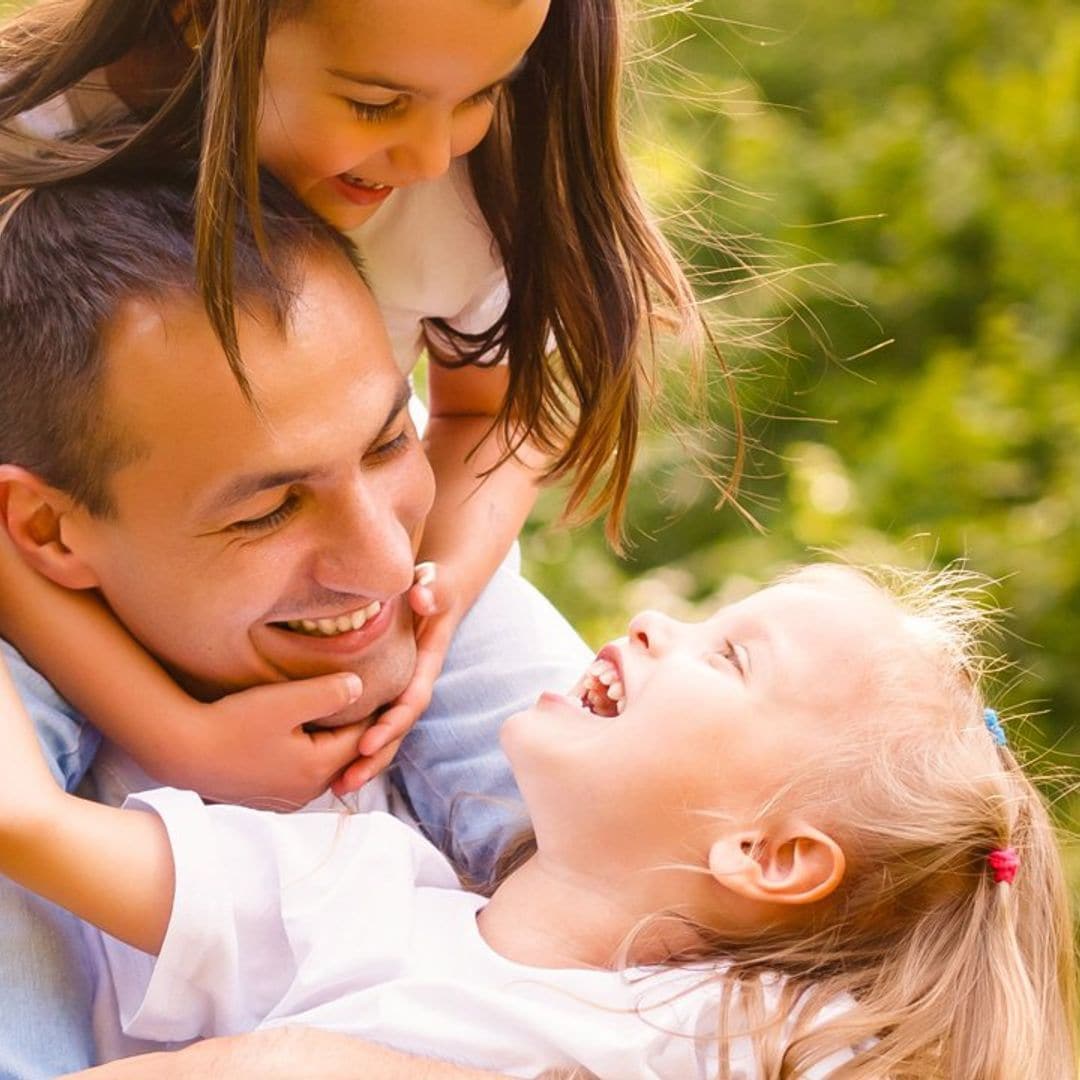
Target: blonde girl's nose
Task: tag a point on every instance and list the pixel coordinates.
(652, 631)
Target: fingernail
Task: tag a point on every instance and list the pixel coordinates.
(424, 573)
(354, 686)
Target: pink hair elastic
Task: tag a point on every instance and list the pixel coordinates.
(1004, 862)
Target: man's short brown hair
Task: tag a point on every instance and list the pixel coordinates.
(70, 255)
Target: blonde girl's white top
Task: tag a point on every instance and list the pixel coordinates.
(427, 252)
(358, 925)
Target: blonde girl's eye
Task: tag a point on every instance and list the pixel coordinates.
(731, 655)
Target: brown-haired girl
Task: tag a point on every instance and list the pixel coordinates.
(471, 148)
(787, 841)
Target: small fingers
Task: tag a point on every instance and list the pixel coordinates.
(293, 704)
(394, 724)
(364, 770)
(425, 596)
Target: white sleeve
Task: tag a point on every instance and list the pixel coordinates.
(264, 904)
(224, 961)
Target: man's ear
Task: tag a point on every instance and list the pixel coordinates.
(33, 515)
(789, 863)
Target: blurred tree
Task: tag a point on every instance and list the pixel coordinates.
(839, 178)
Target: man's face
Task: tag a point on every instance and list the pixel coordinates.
(247, 550)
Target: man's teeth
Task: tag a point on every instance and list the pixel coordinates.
(341, 625)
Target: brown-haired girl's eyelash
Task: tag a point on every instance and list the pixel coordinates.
(486, 96)
(374, 114)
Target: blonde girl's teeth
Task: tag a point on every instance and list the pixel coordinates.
(343, 623)
(619, 706)
(372, 609)
(326, 626)
(608, 676)
(597, 666)
(309, 625)
(616, 691)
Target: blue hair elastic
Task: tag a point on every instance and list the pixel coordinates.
(993, 725)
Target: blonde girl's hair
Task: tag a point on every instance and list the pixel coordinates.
(921, 966)
(952, 975)
(587, 269)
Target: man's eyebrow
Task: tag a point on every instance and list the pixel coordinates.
(384, 83)
(246, 485)
(400, 402)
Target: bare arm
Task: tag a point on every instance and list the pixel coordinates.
(111, 867)
(471, 527)
(283, 1054)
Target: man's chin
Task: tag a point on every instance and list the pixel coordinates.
(380, 692)
(357, 712)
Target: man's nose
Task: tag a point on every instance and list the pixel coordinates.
(364, 548)
(652, 631)
(426, 149)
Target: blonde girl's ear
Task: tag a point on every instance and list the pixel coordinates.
(790, 863)
(32, 514)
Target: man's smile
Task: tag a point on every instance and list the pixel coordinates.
(335, 625)
(345, 635)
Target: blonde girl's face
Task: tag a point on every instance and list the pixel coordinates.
(362, 97)
(679, 722)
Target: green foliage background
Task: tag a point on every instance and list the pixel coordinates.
(919, 163)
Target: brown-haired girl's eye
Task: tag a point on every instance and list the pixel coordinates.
(374, 114)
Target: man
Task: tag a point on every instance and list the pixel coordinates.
(221, 531)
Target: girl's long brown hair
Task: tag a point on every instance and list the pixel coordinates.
(587, 270)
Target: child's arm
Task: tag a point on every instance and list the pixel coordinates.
(111, 867)
(284, 1054)
(469, 531)
(247, 747)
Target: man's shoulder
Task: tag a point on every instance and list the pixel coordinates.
(68, 741)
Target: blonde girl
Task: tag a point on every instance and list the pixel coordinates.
(472, 150)
(787, 841)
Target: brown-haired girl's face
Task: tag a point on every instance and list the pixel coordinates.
(360, 98)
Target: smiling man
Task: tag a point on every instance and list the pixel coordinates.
(244, 548)
(241, 543)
